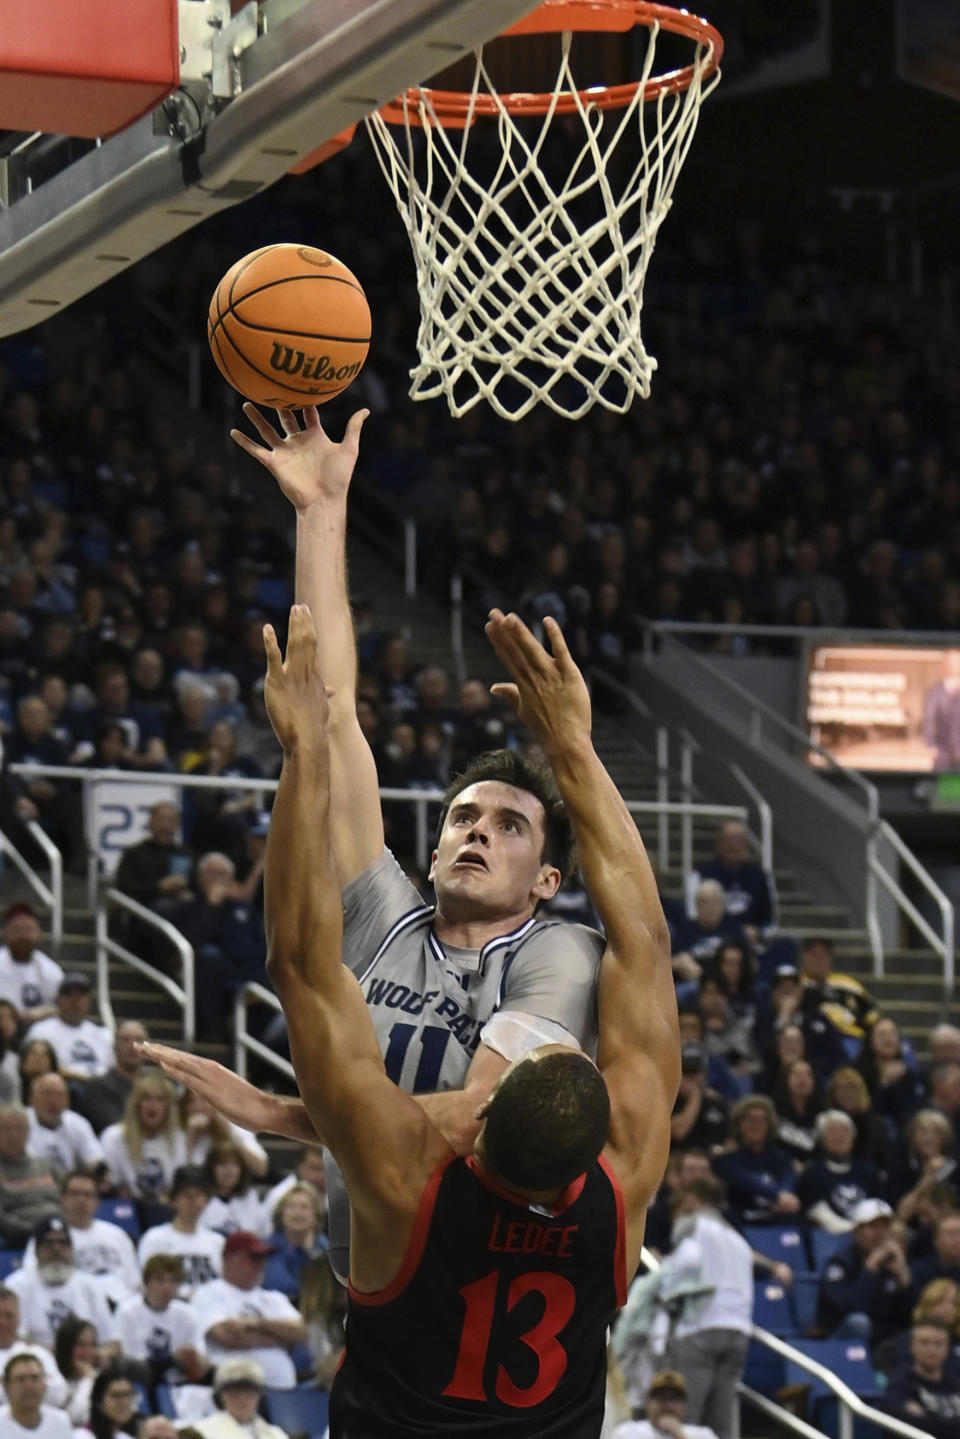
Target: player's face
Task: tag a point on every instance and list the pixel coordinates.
(489, 861)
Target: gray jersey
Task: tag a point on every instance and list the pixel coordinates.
(429, 1002)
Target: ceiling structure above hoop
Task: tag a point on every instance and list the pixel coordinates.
(320, 66)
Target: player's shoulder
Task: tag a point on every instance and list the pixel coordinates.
(563, 942)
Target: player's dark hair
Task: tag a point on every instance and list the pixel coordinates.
(506, 766)
(548, 1121)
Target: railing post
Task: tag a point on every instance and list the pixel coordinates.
(456, 627)
(844, 1420)
(409, 557)
(103, 965)
(239, 1032)
(88, 806)
(870, 901)
(686, 821)
(663, 795)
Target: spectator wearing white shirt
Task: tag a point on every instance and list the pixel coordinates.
(709, 1348)
(237, 1313)
(160, 1329)
(54, 1288)
(148, 1144)
(29, 978)
(100, 1248)
(198, 1249)
(77, 1355)
(83, 1049)
(234, 1203)
(238, 1389)
(56, 1132)
(666, 1412)
(11, 1344)
(26, 1416)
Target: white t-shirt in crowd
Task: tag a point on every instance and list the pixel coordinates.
(154, 1334)
(72, 1143)
(85, 1048)
(723, 1259)
(30, 985)
(243, 1211)
(201, 1254)
(201, 1145)
(57, 1387)
(44, 1307)
(151, 1175)
(54, 1424)
(105, 1251)
(221, 1300)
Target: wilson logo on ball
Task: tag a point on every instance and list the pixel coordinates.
(311, 367)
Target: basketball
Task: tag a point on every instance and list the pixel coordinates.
(289, 326)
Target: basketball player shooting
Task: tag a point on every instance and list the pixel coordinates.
(480, 1288)
(458, 992)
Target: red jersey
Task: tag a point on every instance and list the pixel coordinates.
(496, 1324)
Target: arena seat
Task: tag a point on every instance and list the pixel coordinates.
(783, 1242)
(298, 1411)
(803, 1297)
(122, 1212)
(772, 1309)
(764, 1370)
(10, 1259)
(849, 1360)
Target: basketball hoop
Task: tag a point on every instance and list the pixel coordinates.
(531, 288)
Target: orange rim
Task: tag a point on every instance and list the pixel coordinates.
(456, 108)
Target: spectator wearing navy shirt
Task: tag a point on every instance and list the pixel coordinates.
(758, 1173)
(750, 889)
(925, 1392)
(944, 1262)
(697, 940)
(835, 1181)
(867, 1290)
(890, 1071)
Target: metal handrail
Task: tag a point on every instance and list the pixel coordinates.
(876, 873)
(50, 895)
(689, 746)
(244, 1042)
(849, 1403)
(183, 994)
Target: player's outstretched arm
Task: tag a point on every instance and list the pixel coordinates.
(383, 1141)
(639, 1048)
(315, 473)
(236, 1099)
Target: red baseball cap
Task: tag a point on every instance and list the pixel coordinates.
(242, 1241)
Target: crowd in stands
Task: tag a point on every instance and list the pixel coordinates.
(796, 463)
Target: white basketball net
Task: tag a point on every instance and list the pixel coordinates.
(518, 304)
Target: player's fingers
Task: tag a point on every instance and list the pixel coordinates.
(289, 421)
(508, 692)
(311, 417)
(354, 425)
(245, 443)
(558, 643)
(526, 644)
(274, 657)
(262, 425)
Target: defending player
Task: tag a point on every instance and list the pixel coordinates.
(481, 1289)
(456, 994)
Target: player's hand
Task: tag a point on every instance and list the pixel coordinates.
(548, 693)
(297, 700)
(228, 1094)
(306, 464)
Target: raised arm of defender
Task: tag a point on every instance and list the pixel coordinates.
(314, 474)
(639, 1048)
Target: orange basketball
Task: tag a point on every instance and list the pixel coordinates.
(289, 326)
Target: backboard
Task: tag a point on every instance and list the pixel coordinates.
(314, 67)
